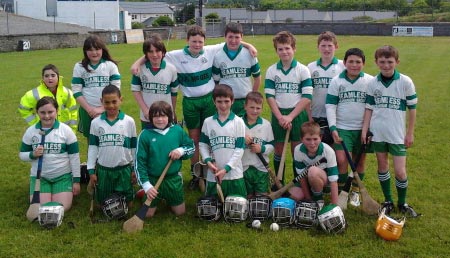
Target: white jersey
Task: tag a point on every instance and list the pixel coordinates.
(156, 85)
(112, 143)
(346, 101)
(302, 160)
(223, 142)
(288, 87)
(90, 84)
(61, 153)
(389, 102)
(236, 70)
(194, 73)
(262, 134)
(321, 77)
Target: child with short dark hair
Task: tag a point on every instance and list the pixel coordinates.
(222, 144)
(161, 141)
(389, 94)
(345, 106)
(112, 146)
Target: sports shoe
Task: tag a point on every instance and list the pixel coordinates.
(408, 211)
(355, 199)
(388, 206)
(194, 183)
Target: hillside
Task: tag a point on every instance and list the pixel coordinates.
(11, 24)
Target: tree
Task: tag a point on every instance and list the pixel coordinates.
(163, 21)
(186, 13)
(212, 17)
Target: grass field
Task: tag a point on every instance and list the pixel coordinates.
(425, 60)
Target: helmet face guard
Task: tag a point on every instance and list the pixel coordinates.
(235, 209)
(115, 207)
(283, 210)
(209, 208)
(51, 215)
(331, 219)
(259, 207)
(306, 214)
(389, 228)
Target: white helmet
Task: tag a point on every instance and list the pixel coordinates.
(115, 206)
(259, 207)
(331, 219)
(283, 211)
(235, 209)
(51, 214)
(306, 214)
(209, 208)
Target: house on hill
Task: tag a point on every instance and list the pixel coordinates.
(146, 12)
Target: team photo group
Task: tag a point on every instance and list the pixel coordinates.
(326, 115)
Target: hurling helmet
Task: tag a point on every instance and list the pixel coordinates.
(259, 207)
(235, 209)
(209, 208)
(283, 211)
(51, 214)
(331, 219)
(306, 214)
(115, 206)
(389, 228)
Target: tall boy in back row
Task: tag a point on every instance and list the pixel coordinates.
(322, 71)
(389, 94)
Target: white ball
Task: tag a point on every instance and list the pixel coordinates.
(274, 227)
(256, 223)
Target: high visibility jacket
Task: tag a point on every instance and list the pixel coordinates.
(67, 111)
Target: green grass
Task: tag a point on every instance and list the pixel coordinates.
(425, 60)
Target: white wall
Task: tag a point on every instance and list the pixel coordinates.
(94, 14)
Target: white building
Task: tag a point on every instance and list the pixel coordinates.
(97, 14)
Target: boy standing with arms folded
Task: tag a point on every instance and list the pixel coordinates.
(388, 96)
(322, 71)
(258, 139)
(112, 146)
(288, 90)
(222, 144)
(234, 65)
(345, 106)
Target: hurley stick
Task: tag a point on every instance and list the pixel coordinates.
(136, 223)
(33, 210)
(271, 173)
(283, 156)
(302, 174)
(369, 205)
(343, 195)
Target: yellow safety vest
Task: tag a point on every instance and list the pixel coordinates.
(68, 107)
